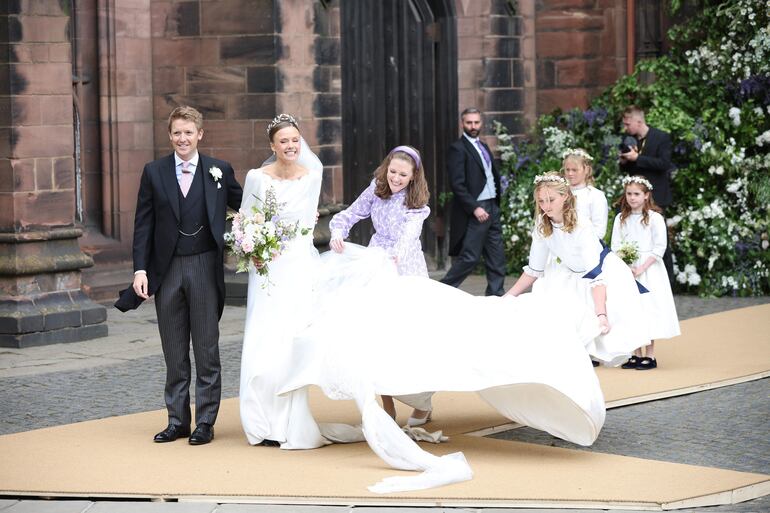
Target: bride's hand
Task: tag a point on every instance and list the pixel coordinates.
(258, 263)
(338, 245)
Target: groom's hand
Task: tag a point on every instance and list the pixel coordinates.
(140, 285)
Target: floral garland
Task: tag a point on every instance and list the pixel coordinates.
(577, 151)
(637, 179)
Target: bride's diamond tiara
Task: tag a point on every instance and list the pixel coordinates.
(282, 118)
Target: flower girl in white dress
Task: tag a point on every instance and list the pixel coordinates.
(590, 201)
(584, 269)
(641, 226)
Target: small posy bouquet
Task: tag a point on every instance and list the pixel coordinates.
(628, 251)
(260, 236)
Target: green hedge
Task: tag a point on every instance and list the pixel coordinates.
(712, 94)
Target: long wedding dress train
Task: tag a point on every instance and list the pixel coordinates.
(374, 332)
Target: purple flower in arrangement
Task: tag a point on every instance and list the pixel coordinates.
(504, 183)
(521, 161)
(756, 87)
(590, 117)
(681, 147)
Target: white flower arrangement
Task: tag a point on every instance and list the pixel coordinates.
(637, 179)
(216, 174)
(549, 178)
(628, 251)
(577, 151)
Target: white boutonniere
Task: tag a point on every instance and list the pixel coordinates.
(216, 174)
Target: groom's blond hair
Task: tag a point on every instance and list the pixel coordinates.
(186, 113)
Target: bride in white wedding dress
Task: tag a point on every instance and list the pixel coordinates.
(350, 325)
(280, 303)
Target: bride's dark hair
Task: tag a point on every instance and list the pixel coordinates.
(417, 194)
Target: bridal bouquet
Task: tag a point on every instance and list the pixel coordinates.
(260, 236)
(628, 251)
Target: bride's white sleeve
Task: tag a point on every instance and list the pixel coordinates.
(251, 190)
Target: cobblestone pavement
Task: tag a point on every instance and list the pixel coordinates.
(123, 374)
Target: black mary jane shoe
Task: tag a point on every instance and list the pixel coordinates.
(647, 363)
(595, 363)
(631, 363)
(269, 443)
(171, 433)
(203, 434)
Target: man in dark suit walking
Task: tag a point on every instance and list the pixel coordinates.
(649, 157)
(475, 229)
(179, 258)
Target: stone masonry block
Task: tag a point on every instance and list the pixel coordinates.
(504, 100)
(569, 21)
(220, 80)
(41, 141)
(227, 17)
(576, 72)
(45, 29)
(43, 174)
(168, 80)
(579, 44)
(41, 78)
(263, 79)
(497, 73)
(251, 106)
(249, 50)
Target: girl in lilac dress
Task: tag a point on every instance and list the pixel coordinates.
(397, 203)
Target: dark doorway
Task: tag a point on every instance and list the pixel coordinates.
(399, 86)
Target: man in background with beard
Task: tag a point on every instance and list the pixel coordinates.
(475, 229)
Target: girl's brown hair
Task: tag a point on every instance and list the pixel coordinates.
(560, 186)
(417, 194)
(649, 204)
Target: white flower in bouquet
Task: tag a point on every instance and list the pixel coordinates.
(260, 236)
(628, 251)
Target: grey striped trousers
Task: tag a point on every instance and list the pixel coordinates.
(188, 308)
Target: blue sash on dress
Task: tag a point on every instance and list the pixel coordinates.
(596, 271)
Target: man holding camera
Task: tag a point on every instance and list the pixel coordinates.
(646, 151)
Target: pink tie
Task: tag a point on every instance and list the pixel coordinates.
(187, 178)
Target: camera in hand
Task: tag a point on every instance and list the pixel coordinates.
(629, 142)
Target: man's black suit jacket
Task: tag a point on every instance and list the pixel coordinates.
(156, 224)
(467, 179)
(654, 163)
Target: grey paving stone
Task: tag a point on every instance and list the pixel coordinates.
(51, 506)
(7, 503)
(152, 507)
(280, 508)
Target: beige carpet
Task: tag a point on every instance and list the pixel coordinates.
(115, 457)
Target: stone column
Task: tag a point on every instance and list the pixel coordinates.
(40, 259)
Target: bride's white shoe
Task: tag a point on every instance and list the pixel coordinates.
(414, 422)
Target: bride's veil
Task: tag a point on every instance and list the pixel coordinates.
(306, 159)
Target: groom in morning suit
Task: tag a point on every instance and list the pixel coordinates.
(475, 228)
(179, 258)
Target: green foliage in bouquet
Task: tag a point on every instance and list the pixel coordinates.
(712, 94)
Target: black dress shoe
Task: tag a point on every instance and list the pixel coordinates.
(171, 433)
(269, 443)
(631, 363)
(647, 363)
(203, 434)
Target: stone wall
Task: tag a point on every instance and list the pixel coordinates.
(580, 49)
(40, 260)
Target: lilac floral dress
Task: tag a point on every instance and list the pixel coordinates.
(397, 228)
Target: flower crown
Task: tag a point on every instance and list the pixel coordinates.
(637, 179)
(577, 151)
(281, 118)
(549, 178)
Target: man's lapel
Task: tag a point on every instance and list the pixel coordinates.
(209, 187)
(474, 152)
(170, 184)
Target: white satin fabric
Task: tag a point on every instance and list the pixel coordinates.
(373, 331)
